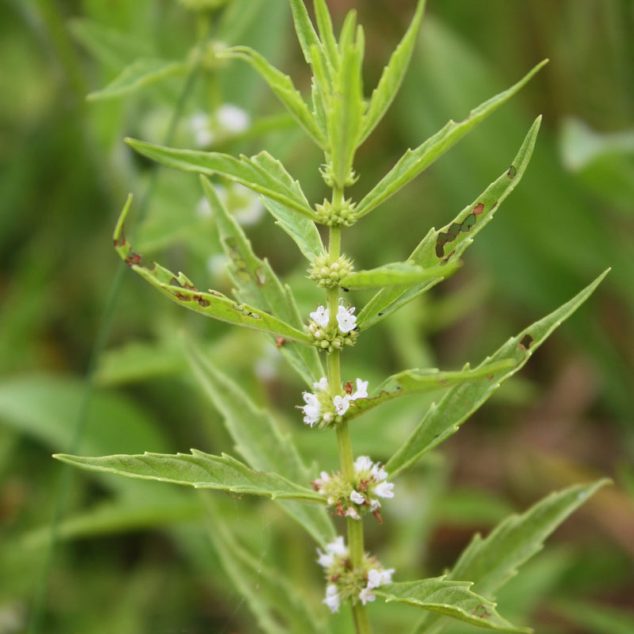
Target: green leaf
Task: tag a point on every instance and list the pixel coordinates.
(397, 274)
(445, 417)
(305, 30)
(326, 32)
(592, 617)
(446, 245)
(417, 381)
(282, 86)
(392, 76)
(140, 74)
(258, 284)
(276, 184)
(210, 303)
(259, 439)
(302, 231)
(199, 470)
(449, 598)
(415, 161)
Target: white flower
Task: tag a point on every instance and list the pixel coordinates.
(362, 463)
(375, 505)
(337, 547)
(232, 119)
(200, 126)
(384, 490)
(379, 577)
(361, 391)
(346, 320)
(332, 598)
(321, 316)
(378, 472)
(341, 403)
(356, 497)
(325, 560)
(352, 513)
(243, 203)
(366, 596)
(321, 385)
(312, 409)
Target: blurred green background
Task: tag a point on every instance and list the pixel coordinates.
(91, 360)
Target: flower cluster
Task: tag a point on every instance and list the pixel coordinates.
(227, 120)
(333, 334)
(344, 582)
(359, 496)
(322, 408)
(329, 274)
(244, 204)
(339, 215)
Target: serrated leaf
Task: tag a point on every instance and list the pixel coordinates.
(140, 74)
(304, 28)
(282, 86)
(447, 244)
(259, 439)
(210, 303)
(199, 470)
(415, 161)
(449, 598)
(274, 182)
(392, 75)
(302, 231)
(491, 562)
(258, 284)
(445, 417)
(417, 381)
(400, 274)
(326, 32)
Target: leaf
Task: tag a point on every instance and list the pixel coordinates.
(301, 230)
(415, 161)
(257, 283)
(199, 470)
(445, 417)
(594, 617)
(446, 245)
(259, 440)
(449, 598)
(275, 184)
(326, 32)
(304, 28)
(392, 76)
(209, 303)
(140, 74)
(418, 381)
(397, 274)
(282, 86)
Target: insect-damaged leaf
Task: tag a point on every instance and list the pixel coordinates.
(445, 417)
(446, 245)
(259, 439)
(261, 173)
(199, 470)
(209, 303)
(400, 274)
(258, 284)
(449, 598)
(491, 562)
(415, 161)
(392, 76)
(140, 74)
(282, 86)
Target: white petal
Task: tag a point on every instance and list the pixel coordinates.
(337, 547)
(362, 463)
(366, 596)
(346, 319)
(384, 490)
(325, 560)
(321, 316)
(232, 118)
(332, 600)
(378, 472)
(374, 578)
(361, 391)
(321, 385)
(356, 497)
(341, 403)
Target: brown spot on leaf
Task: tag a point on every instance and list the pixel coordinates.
(120, 241)
(279, 342)
(526, 342)
(202, 301)
(512, 171)
(134, 259)
(183, 297)
(478, 209)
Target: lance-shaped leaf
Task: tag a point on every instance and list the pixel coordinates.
(449, 598)
(445, 417)
(400, 274)
(415, 161)
(140, 74)
(326, 32)
(199, 470)
(259, 439)
(447, 244)
(305, 30)
(392, 76)
(282, 86)
(491, 562)
(210, 303)
(258, 284)
(273, 181)
(417, 381)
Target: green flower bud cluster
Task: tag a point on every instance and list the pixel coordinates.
(329, 274)
(330, 338)
(329, 178)
(341, 215)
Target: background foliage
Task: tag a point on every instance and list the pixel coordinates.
(146, 552)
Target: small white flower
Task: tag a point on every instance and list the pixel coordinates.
(312, 409)
(361, 391)
(352, 513)
(356, 497)
(232, 119)
(321, 316)
(378, 472)
(375, 505)
(321, 385)
(366, 596)
(332, 600)
(200, 126)
(379, 577)
(341, 403)
(362, 463)
(384, 490)
(337, 547)
(325, 560)
(346, 320)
